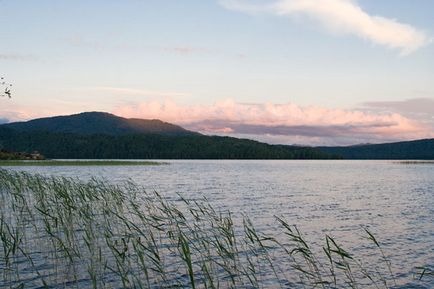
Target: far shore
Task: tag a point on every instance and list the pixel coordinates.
(415, 162)
(78, 163)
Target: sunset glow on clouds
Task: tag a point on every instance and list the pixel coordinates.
(284, 123)
(281, 71)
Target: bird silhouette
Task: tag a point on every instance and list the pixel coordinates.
(8, 92)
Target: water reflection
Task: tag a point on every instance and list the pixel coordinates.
(395, 201)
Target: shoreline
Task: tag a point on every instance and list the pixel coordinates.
(17, 163)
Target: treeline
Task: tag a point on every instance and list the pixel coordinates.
(8, 155)
(408, 150)
(149, 146)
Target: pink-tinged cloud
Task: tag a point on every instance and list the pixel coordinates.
(13, 112)
(137, 92)
(186, 50)
(408, 106)
(287, 123)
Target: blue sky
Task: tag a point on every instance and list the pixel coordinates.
(329, 71)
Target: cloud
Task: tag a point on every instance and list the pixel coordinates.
(298, 130)
(190, 51)
(284, 123)
(127, 91)
(17, 113)
(185, 50)
(420, 109)
(342, 17)
(14, 111)
(17, 57)
(415, 105)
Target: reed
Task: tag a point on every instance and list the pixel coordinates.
(58, 232)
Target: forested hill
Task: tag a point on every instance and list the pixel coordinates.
(408, 150)
(97, 135)
(87, 123)
(104, 136)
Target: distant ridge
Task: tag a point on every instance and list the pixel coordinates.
(88, 123)
(406, 150)
(99, 135)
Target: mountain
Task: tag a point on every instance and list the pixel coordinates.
(406, 150)
(88, 123)
(96, 135)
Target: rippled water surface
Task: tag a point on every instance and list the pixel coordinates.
(395, 201)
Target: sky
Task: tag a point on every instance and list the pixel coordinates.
(311, 72)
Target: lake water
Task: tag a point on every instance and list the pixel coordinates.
(395, 201)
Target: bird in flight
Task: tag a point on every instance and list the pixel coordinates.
(7, 91)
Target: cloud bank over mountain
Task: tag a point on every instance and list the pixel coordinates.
(284, 123)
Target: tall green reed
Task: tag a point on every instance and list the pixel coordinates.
(64, 233)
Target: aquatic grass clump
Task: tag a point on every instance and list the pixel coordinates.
(59, 232)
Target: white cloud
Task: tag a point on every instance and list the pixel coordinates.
(343, 17)
(17, 57)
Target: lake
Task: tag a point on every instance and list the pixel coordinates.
(339, 198)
